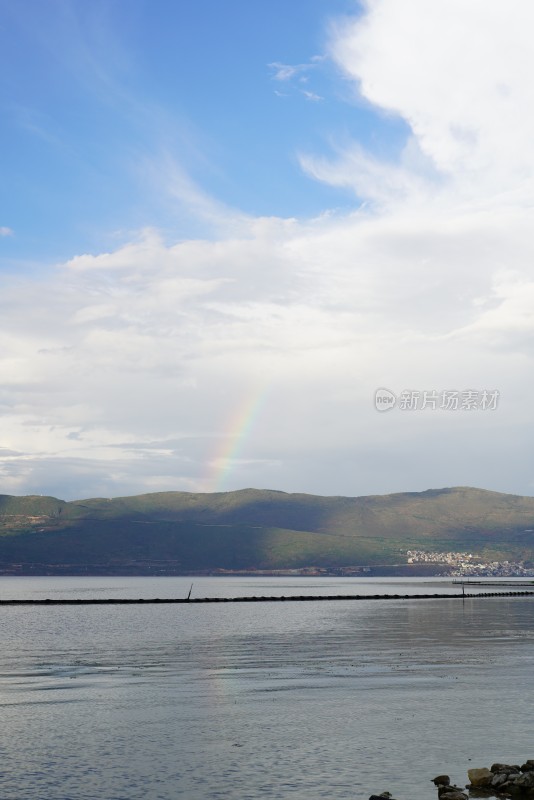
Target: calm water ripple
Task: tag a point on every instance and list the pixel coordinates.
(313, 700)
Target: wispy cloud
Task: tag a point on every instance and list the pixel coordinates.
(5, 231)
(296, 76)
(385, 183)
(312, 96)
(286, 72)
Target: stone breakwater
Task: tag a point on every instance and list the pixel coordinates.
(500, 780)
(104, 601)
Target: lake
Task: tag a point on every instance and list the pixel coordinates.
(274, 700)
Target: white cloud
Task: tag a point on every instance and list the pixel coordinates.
(175, 344)
(460, 75)
(4, 231)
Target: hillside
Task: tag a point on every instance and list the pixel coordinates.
(178, 532)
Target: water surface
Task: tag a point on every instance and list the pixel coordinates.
(334, 700)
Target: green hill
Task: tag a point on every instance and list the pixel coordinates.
(179, 532)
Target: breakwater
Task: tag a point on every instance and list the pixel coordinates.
(254, 599)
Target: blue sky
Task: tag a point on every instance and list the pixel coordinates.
(99, 97)
(225, 225)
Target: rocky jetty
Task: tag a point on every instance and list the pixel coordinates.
(500, 780)
(504, 780)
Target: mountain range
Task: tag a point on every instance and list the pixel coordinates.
(264, 530)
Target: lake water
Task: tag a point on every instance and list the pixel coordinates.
(273, 700)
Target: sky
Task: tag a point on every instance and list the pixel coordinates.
(281, 245)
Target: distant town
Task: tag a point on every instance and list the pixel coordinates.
(470, 565)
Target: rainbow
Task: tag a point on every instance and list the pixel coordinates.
(240, 423)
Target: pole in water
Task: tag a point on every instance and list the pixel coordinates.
(190, 590)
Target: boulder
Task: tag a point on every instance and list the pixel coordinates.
(453, 796)
(506, 788)
(446, 789)
(504, 768)
(498, 779)
(528, 766)
(525, 781)
(479, 777)
(441, 780)
(383, 796)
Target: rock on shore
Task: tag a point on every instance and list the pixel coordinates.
(504, 780)
(501, 780)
